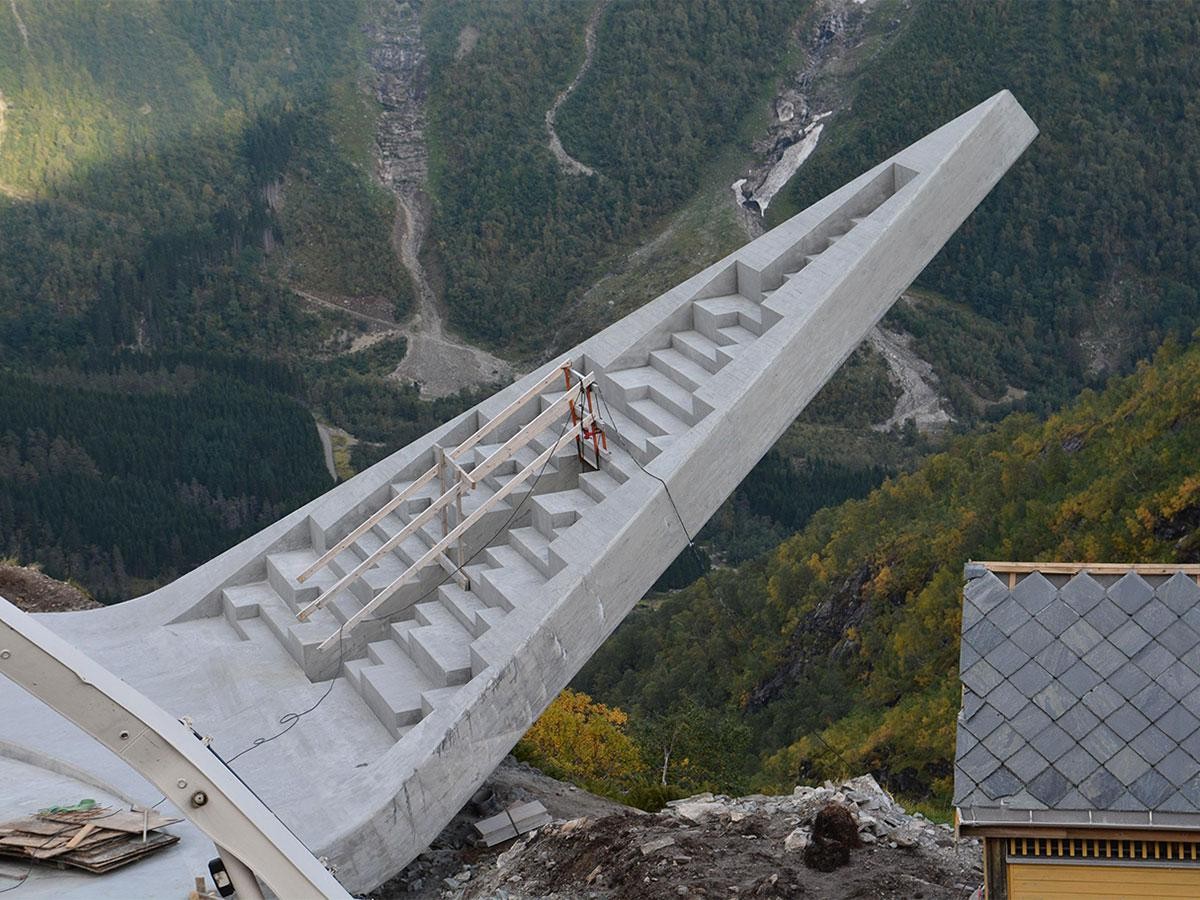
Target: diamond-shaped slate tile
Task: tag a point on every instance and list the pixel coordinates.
(1057, 617)
(1152, 789)
(1191, 790)
(1127, 765)
(1102, 700)
(1082, 592)
(1007, 700)
(1032, 638)
(1179, 638)
(981, 678)
(971, 615)
(1101, 789)
(1191, 744)
(986, 591)
(1176, 803)
(1049, 787)
(978, 763)
(1128, 680)
(1178, 723)
(1106, 617)
(1191, 702)
(1000, 784)
(1155, 617)
(1029, 721)
(1055, 699)
(1057, 658)
(1177, 766)
(1130, 592)
(970, 704)
(1179, 592)
(1034, 592)
(984, 722)
(1179, 680)
(1192, 617)
(1129, 638)
(1030, 678)
(1077, 764)
(1153, 701)
(1078, 721)
(1154, 658)
(1102, 742)
(1105, 659)
(1127, 803)
(1009, 616)
(1026, 764)
(1004, 742)
(967, 656)
(1073, 800)
(1129, 723)
(1082, 637)
(1152, 745)
(1007, 658)
(984, 637)
(1052, 742)
(1079, 679)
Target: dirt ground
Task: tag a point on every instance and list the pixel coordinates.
(30, 590)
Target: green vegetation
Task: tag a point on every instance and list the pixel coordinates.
(839, 649)
(125, 471)
(1084, 255)
(669, 88)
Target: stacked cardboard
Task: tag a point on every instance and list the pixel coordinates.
(98, 839)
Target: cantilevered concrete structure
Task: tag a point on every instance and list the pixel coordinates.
(435, 682)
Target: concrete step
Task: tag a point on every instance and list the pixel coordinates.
(630, 435)
(599, 484)
(464, 607)
(684, 372)
(433, 612)
(560, 509)
(486, 618)
(699, 349)
(716, 313)
(509, 587)
(535, 547)
(655, 419)
(392, 687)
(284, 569)
(435, 697)
(648, 382)
(443, 652)
(738, 335)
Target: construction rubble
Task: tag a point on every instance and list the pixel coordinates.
(717, 846)
(85, 836)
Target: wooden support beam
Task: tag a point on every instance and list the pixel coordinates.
(542, 459)
(1074, 568)
(428, 476)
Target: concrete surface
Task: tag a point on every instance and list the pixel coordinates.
(428, 698)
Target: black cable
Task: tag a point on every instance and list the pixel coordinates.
(290, 720)
(687, 534)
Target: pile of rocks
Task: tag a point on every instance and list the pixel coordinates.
(718, 846)
(879, 817)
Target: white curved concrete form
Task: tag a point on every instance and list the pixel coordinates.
(429, 692)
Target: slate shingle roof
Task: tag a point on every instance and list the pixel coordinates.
(1081, 698)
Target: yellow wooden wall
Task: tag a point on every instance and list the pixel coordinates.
(1047, 881)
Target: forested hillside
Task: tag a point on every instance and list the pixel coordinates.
(1085, 253)
(838, 651)
(670, 86)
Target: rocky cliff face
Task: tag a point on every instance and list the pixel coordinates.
(400, 67)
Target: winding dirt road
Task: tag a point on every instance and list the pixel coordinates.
(440, 363)
(570, 164)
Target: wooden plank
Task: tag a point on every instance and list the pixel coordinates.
(386, 547)
(82, 833)
(1073, 568)
(131, 821)
(424, 479)
(529, 432)
(510, 485)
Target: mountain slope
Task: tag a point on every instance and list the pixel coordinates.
(840, 648)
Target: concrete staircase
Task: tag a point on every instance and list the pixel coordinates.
(417, 654)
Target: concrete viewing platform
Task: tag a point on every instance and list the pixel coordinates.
(433, 674)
